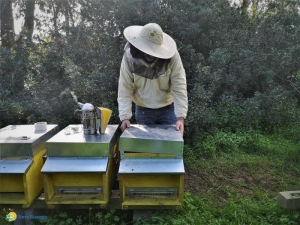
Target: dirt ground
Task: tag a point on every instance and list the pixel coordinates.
(240, 181)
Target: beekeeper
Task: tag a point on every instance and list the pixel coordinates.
(153, 77)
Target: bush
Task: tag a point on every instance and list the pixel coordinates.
(241, 72)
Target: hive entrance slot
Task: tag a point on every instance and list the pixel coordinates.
(78, 190)
(151, 191)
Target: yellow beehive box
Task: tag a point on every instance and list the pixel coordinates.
(21, 150)
(151, 172)
(80, 168)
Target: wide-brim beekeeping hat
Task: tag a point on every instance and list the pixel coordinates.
(151, 40)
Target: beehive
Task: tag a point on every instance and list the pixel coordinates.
(21, 159)
(151, 170)
(80, 168)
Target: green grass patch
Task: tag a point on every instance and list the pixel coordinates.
(240, 175)
(236, 210)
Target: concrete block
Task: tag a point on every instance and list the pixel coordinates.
(289, 199)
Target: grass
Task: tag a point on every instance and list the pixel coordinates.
(241, 186)
(230, 179)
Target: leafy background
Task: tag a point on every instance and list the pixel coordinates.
(242, 62)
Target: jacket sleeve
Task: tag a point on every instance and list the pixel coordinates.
(178, 86)
(125, 91)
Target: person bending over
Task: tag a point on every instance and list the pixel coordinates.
(153, 77)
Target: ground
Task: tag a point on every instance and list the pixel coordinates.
(241, 180)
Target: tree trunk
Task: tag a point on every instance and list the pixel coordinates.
(22, 52)
(56, 7)
(67, 17)
(29, 19)
(7, 23)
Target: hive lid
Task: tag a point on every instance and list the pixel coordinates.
(155, 166)
(14, 166)
(74, 164)
(72, 142)
(24, 140)
(152, 139)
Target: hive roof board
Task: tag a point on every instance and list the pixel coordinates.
(72, 142)
(24, 140)
(152, 139)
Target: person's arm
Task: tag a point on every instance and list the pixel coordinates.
(125, 124)
(178, 86)
(180, 125)
(125, 92)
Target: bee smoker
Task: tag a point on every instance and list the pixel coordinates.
(90, 118)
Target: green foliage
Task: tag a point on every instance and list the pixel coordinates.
(3, 213)
(92, 217)
(240, 211)
(251, 142)
(241, 72)
(61, 219)
(237, 182)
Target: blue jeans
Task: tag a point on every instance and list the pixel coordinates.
(164, 115)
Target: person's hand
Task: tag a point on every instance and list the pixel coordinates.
(125, 124)
(180, 125)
